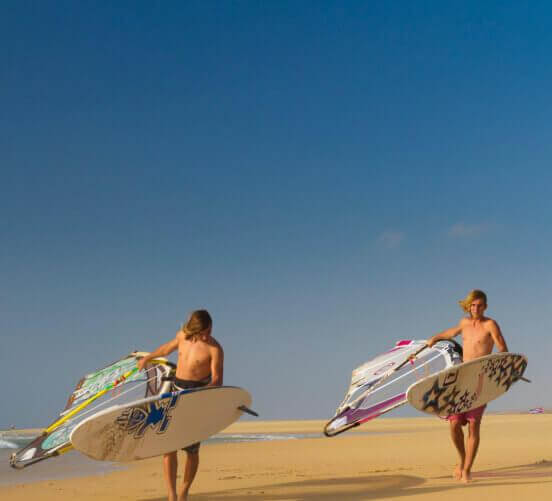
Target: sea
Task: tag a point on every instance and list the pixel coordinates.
(75, 464)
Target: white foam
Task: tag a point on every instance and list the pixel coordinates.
(8, 444)
(261, 437)
(14, 440)
(254, 437)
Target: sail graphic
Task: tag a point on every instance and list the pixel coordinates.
(380, 385)
(118, 382)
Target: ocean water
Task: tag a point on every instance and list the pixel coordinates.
(72, 464)
(260, 437)
(75, 464)
(14, 440)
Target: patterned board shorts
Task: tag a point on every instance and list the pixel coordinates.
(473, 415)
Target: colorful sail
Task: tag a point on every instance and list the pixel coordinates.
(380, 385)
(117, 383)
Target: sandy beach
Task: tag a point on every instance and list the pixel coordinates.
(392, 458)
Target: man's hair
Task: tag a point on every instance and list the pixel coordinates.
(467, 301)
(198, 321)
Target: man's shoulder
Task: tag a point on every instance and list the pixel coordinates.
(214, 344)
(490, 323)
(464, 321)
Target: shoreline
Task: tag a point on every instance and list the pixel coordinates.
(294, 425)
(402, 457)
(21, 432)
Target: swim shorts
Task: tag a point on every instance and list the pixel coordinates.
(184, 384)
(464, 417)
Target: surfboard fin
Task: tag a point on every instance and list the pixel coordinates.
(243, 408)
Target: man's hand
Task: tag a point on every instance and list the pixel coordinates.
(142, 363)
(162, 351)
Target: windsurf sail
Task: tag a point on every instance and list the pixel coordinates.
(380, 385)
(117, 383)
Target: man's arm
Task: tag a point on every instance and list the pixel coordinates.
(162, 351)
(498, 339)
(217, 366)
(446, 334)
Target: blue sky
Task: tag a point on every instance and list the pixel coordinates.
(326, 179)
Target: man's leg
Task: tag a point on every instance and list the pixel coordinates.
(457, 436)
(190, 470)
(170, 464)
(471, 448)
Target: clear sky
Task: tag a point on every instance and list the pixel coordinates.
(325, 178)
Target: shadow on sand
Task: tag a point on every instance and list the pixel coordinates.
(524, 471)
(346, 489)
(372, 487)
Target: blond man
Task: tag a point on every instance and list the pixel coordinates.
(480, 334)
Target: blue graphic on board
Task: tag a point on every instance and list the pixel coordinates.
(136, 420)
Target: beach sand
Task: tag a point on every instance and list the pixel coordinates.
(401, 458)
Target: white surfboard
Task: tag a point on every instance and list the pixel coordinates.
(160, 424)
(468, 385)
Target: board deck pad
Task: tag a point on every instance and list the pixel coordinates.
(468, 385)
(158, 425)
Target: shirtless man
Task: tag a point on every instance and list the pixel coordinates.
(479, 335)
(200, 363)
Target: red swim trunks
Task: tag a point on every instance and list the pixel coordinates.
(464, 417)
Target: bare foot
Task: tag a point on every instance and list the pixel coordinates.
(457, 473)
(466, 477)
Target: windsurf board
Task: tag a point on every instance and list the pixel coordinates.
(157, 425)
(468, 385)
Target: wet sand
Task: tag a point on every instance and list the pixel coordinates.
(404, 458)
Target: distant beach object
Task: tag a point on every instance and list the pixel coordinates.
(120, 381)
(536, 410)
(468, 385)
(380, 385)
(160, 424)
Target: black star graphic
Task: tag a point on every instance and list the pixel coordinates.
(431, 397)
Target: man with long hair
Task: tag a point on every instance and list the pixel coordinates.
(200, 363)
(480, 334)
